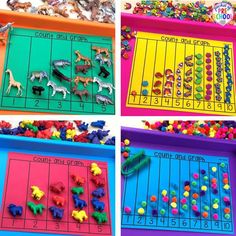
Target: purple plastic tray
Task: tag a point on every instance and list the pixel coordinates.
(180, 143)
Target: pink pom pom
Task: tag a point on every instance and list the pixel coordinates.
(183, 201)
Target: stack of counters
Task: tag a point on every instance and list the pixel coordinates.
(183, 201)
(126, 36)
(228, 75)
(179, 80)
(188, 76)
(199, 76)
(214, 185)
(218, 74)
(209, 83)
(125, 150)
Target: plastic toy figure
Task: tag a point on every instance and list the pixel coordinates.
(57, 187)
(78, 180)
(97, 205)
(80, 57)
(59, 89)
(58, 200)
(38, 75)
(100, 217)
(57, 213)
(77, 190)
(79, 215)
(99, 192)
(98, 181)
(13, 83)
(37, 193)
(36, 208)
(102, 85)
(95, 170)
(15, 210)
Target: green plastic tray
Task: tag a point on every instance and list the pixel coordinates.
(34, 50)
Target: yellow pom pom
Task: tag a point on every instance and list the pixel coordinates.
(186, 193)
(173, 204)
(164, 192)
(214, 169)
(226, 187)
(215, 206)
(184, 131)
(141, 211)
(126, 142)
(204, 188)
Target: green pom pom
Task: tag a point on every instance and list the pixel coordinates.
(162, 211)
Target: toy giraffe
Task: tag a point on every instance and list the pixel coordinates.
(13, 83)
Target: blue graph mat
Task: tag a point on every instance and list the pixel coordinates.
(170, 171)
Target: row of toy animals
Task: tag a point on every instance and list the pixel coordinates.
(58, 188)
(61, 130)
(101, 10)
(61, 89)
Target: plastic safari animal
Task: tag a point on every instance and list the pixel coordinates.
(102, 85)
(37, 193)
(36, 209)
(2, 40)
(100, 217)
(13, 83)
(101, 50)
(95, 170)
(79, 203)
(85, 81)
(5, 28)
(79, 215)
(80, 57)
(59, 89)
(38, 75)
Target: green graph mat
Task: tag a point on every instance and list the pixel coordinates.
(33, 50)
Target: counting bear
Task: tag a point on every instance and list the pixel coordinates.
(97, 205)
(37, 193)
(79, 215)
(95, 170)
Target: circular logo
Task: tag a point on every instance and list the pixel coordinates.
(223, 13)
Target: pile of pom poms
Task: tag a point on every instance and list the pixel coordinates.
(190, 11)
(212, 129)
(77, 131)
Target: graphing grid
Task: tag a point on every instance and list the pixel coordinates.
(35, 51)
(166, 170)
(155, 53)
(51, 170)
